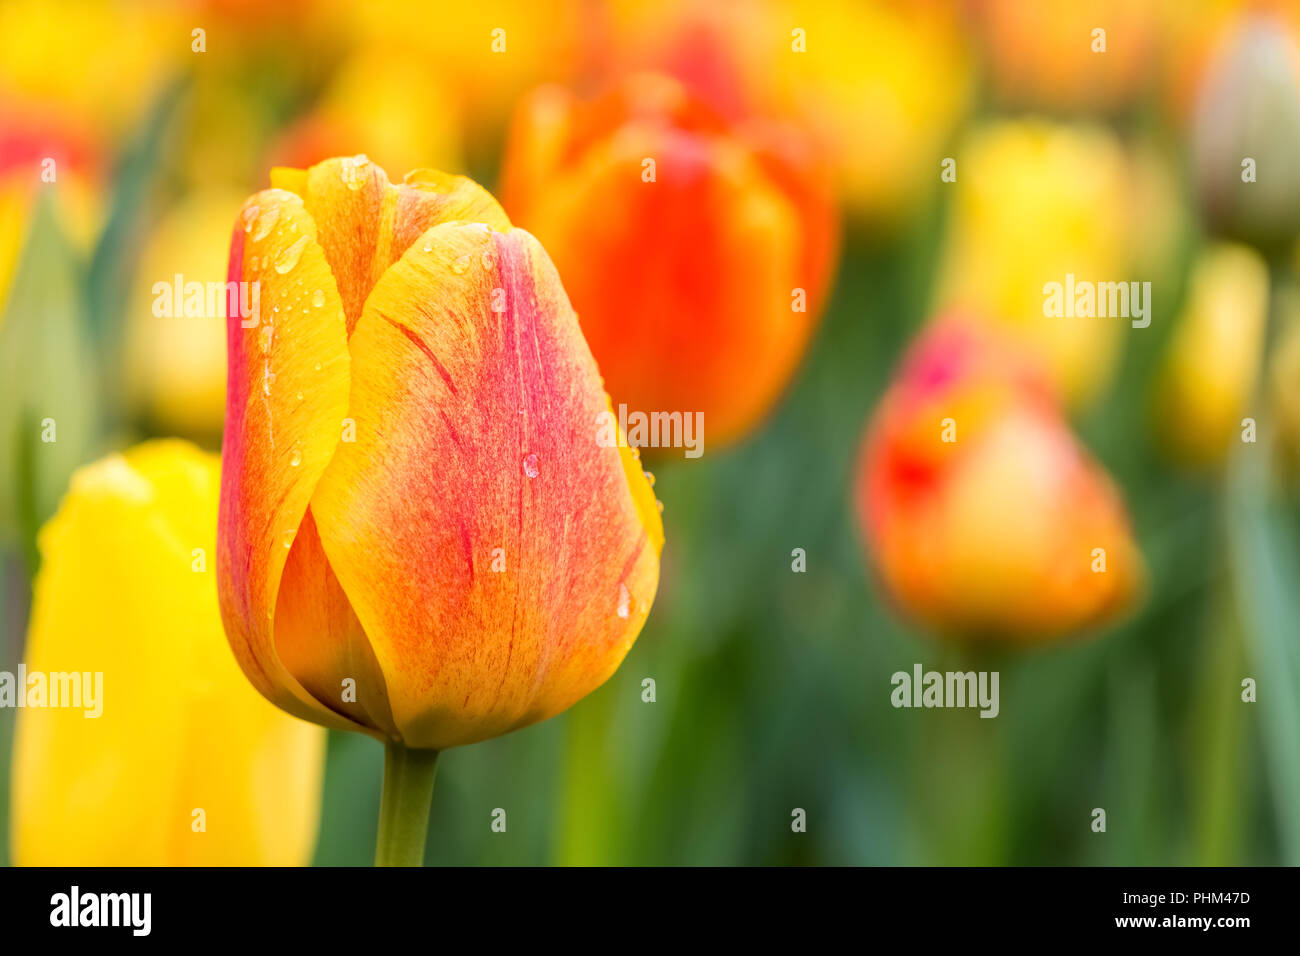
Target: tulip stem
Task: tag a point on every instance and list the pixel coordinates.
(404, 805)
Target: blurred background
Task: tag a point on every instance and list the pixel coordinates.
(1118, 162)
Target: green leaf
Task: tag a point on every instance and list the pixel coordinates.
(47, 386)
(1266, 575)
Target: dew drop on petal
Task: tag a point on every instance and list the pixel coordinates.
(650, 478)
(353, 171)
(265, 223)
(624, 601)
(289, 258)
(428, 247)
(264, 338)
(530, 465)
(296, 458)
(288, 538)
(249, 216)
(461, 264)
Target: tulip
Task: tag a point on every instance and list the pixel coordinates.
(1209, 373)
(176, 369)
(880, 84)
(392, 103)
(983, 517)
(1034, 202)
(696, 251)
(1049, 53)
(421, 537)
(170, 757)
(1246, 137)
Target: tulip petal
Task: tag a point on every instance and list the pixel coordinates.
(366, 223)
(320, 640)
(287, 395)
(125, 590)
(499, 558)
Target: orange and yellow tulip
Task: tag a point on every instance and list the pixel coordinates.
(421, 537)
(697, 251)
(169, 757)
(983, 516)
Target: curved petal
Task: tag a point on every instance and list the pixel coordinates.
(125, 591)
(287, 395)
(365, 222)
(495, 552)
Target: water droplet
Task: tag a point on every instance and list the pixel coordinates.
(265, 223)
(288, 538)
(264, 338)
(249, 216)
(296, 458)
(624, 600)
(636, 453)
(267, 378)
(428, 247)
(649, 476)
(660, 505)
(461, 264)
(289, 258)
(489, 258)
(423, 178)
(354, 171)
(530, 465)
(318, 366)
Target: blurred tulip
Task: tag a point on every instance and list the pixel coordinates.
(982, 515)
(38, 151)
(1035, 202)
(97, 62)
(1209, 373)
(486, 54)
(1049, 54)
(697, 252)
(1283, 379)
(1246, 142)
(176, 369)
(184, 764)
(420, 536)
(880, 84)
(392, 106)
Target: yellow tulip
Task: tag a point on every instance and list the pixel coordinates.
(176, 368)
(1213, 360)
(185, 763)
(389, 104)
(1037, 201)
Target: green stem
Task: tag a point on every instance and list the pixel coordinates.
(404, 806)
